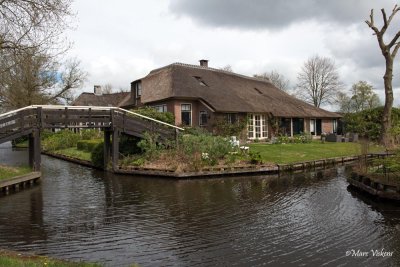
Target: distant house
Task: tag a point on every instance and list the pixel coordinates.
(198, 96)
(97, 98)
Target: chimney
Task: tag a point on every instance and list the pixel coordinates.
(204, 63)
(97, 90)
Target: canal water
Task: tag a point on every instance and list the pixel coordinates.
(311, 219)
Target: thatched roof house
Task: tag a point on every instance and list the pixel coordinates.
(97, 98)
(199, 95)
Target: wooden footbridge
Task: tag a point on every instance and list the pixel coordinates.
(114, 121)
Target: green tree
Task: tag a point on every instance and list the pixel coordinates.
(362, 97)
(389, 51)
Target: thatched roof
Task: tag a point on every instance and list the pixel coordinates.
(224, 91)
(91, 99)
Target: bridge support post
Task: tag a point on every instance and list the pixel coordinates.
(115, 149)
(34, 150)
(107, 142)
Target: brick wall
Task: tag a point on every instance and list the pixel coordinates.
(327, 126)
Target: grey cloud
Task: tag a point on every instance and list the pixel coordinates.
(274, 14)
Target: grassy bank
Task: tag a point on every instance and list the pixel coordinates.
(7, 172)
(13, 259)
(73, 152)
(289, 153)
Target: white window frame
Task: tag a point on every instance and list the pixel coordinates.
(138, 89)
(161, 108)
(257, 131)
(334, 125)
(201, 112)
(229, 117)
(313, 125)
(191, 113)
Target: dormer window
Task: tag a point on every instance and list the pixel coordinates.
(258, 90)
(200, 80)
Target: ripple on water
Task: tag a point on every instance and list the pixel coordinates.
(311, 219)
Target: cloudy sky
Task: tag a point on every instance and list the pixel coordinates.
(123, 40)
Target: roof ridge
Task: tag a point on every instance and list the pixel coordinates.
(211, 69)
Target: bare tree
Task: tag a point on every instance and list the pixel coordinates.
(31, 43)
(318, 81)
(107, 88)
(38, 79)
(33, 23)
(227, 68)
(389, 50)
(277, 79)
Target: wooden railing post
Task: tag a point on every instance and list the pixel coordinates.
(115, 148)
(39, 117)
(106, 147)
(21, 120)
(34, 150)
(66, 117)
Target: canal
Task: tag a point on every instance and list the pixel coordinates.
(311, 219)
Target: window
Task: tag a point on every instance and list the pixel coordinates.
(257, 127)
(161, 108)
(258, 91)
(298, 125)
(138, 89)
(186, 114)
(231, 118)
(334, 126)
(312, 126)
(203, 118)
(200, 80)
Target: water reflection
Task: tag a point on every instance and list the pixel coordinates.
(304, 219)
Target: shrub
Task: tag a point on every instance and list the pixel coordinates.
(88, 145)
(149, 146)
(60, 140)
(167, 117)
(90, 134)
(367, 123)
(192, 147)
(128, 145)
(255, 157)
(224, 128)
(98, 155)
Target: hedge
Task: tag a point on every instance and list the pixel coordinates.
(88, 145)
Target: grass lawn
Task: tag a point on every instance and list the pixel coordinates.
(288, 153)
(9, 172)
(13, 259)
(74, 153)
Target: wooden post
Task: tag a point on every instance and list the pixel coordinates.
(106, 148)
(65, 117)
(31, 150)
(36, 150)
(291, 127)
(115, 148)
(39, 117)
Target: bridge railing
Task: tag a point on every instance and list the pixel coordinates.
(53, 116)
(18, 121)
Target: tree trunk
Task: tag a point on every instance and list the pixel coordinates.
(386, 137)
